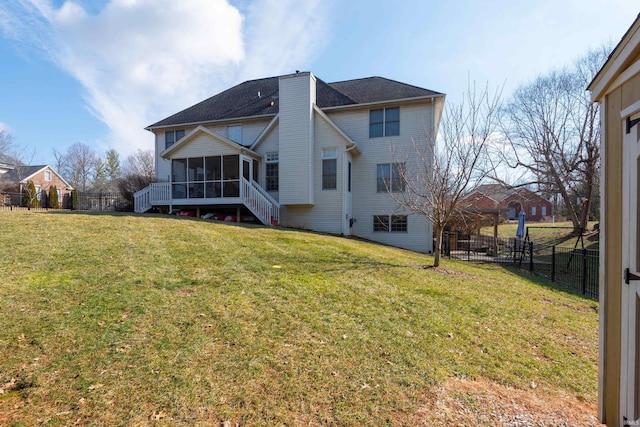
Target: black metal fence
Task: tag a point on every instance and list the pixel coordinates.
(95, 202)
(575, 268)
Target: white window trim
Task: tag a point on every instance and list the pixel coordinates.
(384, 122)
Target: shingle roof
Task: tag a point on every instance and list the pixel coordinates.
(243, 101)
(15, 175)
(378, 89)
(495, 191)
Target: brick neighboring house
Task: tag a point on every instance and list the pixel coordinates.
(13, 179)
(510, 201)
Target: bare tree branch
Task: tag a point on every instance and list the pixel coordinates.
(435, 179)
(553, 133)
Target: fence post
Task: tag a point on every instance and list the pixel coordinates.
(530, 256)
(553, 263)
(584, 271)
(469, 248)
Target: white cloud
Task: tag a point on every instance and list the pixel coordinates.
(141, 60)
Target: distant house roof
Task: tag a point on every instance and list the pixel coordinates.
(261, 98)
(500, 192)
(23, 173)
(496, 191)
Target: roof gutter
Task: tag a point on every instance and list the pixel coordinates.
(207, 122)
(431, 98)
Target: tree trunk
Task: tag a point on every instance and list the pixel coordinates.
(436, 250)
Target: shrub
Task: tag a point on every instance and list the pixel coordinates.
(43, 199)
(53, 198)
(29, 196)
(74, 199)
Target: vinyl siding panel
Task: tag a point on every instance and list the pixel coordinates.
(163, 166)
(269, 145)
(203, 145)
(327, 213)
(250, 129)
(367, 202)
(297, 94)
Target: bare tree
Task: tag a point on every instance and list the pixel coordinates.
(141, 163)
(436, 178)
(19, 156)
(138, 172)
(80, 162)
(6, 141)
(59, 159)
(553, 129)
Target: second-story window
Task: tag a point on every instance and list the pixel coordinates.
(384, 122)
(234, 133)
(47, 175)
(172, 136)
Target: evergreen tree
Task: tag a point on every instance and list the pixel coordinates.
(99, 175)
(74, 199)
(112, 166)
(53, 198)
(32, 196)
(43, 199)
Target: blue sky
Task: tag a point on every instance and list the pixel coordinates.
(99, 71)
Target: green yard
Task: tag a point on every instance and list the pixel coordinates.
(129, 319)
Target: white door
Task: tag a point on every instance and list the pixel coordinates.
(630, 381)
(247, 168)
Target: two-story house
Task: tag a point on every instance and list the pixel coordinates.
(296, 151)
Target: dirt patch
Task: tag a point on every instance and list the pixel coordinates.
(485, 403)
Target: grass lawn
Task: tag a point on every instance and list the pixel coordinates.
(153, 320)
(541, 232)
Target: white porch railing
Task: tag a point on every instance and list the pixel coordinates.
(263, 206)
(254, 197)
(158, 193)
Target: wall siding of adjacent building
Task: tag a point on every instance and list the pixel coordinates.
(297, 96)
